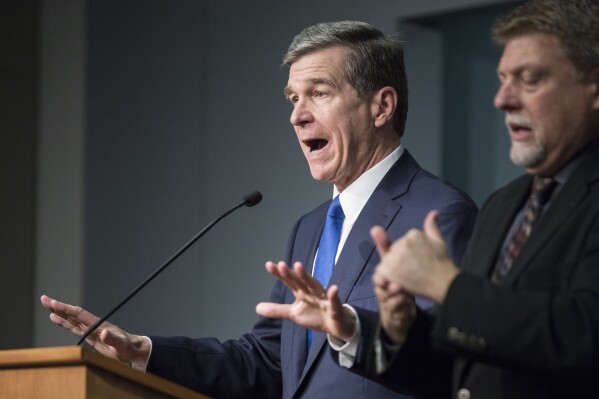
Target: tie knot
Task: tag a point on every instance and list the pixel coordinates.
(335, 209)
(541, 189)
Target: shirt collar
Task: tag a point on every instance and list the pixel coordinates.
(564, 173)
(355, 196)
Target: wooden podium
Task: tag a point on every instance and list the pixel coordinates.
(73, 372)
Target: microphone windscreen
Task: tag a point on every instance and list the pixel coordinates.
(252, 198)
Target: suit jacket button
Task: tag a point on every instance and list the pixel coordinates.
(453, 334)
(463, 393)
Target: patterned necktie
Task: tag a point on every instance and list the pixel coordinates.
(540, 194)
(327, 248)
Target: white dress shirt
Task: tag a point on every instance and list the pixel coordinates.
(352, 200)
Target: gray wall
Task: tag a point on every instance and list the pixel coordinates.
(183, 114)
(18, 108)
(455, 71)
(155, 117)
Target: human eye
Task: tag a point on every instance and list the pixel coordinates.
(291, 97)
(530, 78)
(500, 79)
(319, 93)
(501, 76)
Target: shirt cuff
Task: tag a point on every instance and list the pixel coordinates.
(347, 349)
(385, 351)
(142, 366)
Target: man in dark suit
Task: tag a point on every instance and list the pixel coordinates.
(520, 318)
(348, 89)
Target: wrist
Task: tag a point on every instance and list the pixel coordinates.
(396, 327)
(347, 324)
(142, 347)
(444, 283)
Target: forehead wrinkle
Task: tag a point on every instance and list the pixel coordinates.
(323, 81)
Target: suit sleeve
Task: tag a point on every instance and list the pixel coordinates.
(456, 220)
(245, 368)
(547, 322)
(249, 367)
(544, 317)
(417, 368)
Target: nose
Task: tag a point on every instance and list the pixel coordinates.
(506, 98)
(300, 114)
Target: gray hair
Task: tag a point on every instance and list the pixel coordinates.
(374, 60)
(574, 22)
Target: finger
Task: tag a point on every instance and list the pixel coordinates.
(70, 317)
(333, 298)
(312, 285)
(281, 271)
(116, 338)
(297, 277)
(390, 289)
(383, 277)
(270, 267)
(59, 321)
(342, 322)
(380, 280)
(73, 313)
(273, 310)
(74, 327)
(431, 227)
(387, 271)
(381, 239)
(46, 302)
(397, 300)
(52, 304)
(394, 288)
(273, 268)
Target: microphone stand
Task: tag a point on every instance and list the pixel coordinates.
(249, 201)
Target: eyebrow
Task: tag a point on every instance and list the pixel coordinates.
(526, 66)
(316, 81)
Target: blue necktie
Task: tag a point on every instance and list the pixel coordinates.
(327, 248)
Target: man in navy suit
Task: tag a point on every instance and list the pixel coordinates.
(347, 86)
(520, 318)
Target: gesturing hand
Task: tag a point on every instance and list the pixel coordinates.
(397, 309)
(108, 339)
(314, 307)
(419, 262)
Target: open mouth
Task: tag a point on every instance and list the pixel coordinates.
(317, 144)
(519, 129)
(518, 124)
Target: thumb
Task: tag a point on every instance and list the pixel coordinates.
(108, 337)
(381, 239)
(274, 310)
(431, 227)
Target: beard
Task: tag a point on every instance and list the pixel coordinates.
(528, 154)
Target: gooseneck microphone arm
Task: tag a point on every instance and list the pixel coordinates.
(249, 201)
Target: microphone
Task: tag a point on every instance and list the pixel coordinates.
(249, 200)
(252, 199)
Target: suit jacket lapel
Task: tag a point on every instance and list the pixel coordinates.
(565, 202)
(299, 334)
(355, 254)
(495, 226)
(380, 210)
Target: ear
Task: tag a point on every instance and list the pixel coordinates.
(384, 104)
